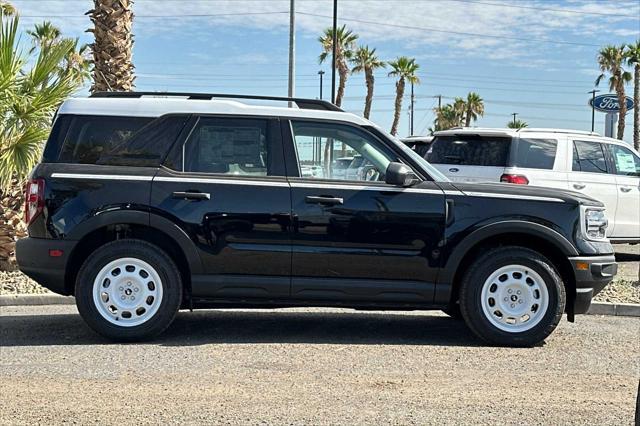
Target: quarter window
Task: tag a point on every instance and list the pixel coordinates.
(535, 153)
(588, 157)
(227, 146)
(338, 152)
(470, 150)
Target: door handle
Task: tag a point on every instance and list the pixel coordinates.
(330, 201)
(579, 185)
(625, 189)
(190, 195)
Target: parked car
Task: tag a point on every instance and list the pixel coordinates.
(146, 203)
(603, 168)
(420, 144)
(340, 166)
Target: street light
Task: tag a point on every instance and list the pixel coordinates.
(333, 60)
(320, 73)
(593, 109)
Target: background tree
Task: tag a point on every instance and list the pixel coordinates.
(44, 34)
(7, 9)
(32, 86)
(405, 70)
(474, 107)
(346, 41)
(112, 48)
(517, 124)
(633, 59)
(611, 60)
(365, 59)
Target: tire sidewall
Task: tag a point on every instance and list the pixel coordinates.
(472, 298)
(154, 256)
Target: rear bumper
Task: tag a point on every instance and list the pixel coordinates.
(34, 259)
(592, 274)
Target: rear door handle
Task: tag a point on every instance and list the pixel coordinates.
(330, 201)
(191, 195)
(579, 185)
(625, 189)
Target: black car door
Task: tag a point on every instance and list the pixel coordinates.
(224, 185)
(355, 237)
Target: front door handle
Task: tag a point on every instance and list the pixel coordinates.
(191, 195)
(625, 189)
(330, 201)
(579, 185)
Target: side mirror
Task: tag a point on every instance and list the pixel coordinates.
(398, 174)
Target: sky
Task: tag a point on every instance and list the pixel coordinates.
(536, 58)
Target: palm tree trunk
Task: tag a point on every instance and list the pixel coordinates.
(623, 109)
(636, 108)
(343, 72)
(112, 48)
(467, 122)
(398, 107)
(368, 72)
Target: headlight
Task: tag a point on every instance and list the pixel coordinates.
(595, 224)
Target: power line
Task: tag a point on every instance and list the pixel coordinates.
(518, 6)
(194, 15)
(436, 30)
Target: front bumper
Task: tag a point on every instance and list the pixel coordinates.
(592, 274)
(35, 260)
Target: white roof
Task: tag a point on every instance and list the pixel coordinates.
(155, 106)
(512, 132)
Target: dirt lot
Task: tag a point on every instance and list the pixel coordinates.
(314, 366)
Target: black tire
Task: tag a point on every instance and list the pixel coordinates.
(480, 271)
(167, 271)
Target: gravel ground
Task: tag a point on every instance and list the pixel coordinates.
(313, 366)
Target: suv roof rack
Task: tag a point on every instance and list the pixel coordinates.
(302, 103)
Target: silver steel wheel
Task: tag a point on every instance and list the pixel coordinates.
(127, 292)
(514, 298)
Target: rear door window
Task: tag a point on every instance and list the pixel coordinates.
(535, 153)
(470, 150)
(588, 157)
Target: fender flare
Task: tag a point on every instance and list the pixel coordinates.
(503, 227)
(144, 218)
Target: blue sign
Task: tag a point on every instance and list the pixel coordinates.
(609, 103)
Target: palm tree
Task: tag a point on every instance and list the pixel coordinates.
(7, 9)
(44, 34)
(633, 59)
(474, 108)
(32, 86)
(611, 59)
(517, 124)
(112, 48)
(345, 42)
(447, 117)
(365, 59)
(404, 69)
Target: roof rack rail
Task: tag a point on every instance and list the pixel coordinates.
(302, 103)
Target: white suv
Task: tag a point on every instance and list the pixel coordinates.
(603, 168)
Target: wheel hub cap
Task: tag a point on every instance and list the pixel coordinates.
(514, 298)
(127, 292)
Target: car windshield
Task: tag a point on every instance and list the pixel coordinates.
(433, 172)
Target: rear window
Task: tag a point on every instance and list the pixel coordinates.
(470, 150)
(535, 153)
(588, 157)
(112, 140)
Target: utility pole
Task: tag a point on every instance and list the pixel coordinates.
(593, 109)
(292, 49)
(320, 73)
(439, 101)
(335, 48)
(412, 107)
(515, 114)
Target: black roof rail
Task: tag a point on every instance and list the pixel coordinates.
(302, 103)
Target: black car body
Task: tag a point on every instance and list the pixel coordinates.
(276, 239)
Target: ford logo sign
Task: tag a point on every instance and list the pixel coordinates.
(609, 103)
(454, 170)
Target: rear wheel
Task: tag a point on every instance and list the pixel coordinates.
(512, 296)
(128, 290)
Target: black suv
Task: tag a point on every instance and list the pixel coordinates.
(145, 203)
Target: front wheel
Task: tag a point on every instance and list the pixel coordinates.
(128, 290)
(512, 296)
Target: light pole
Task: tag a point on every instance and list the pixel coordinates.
(292, 49)
(515, 114)
(593, 109)
(412, 109)
(320, 73)
(334, 47)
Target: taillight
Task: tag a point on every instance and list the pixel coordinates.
(517, 179)
(33, 199)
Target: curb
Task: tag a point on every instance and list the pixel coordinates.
(615, 309)
(597, 308)
(35, 300)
